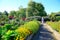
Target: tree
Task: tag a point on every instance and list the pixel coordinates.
(0, 13)
(54, 16)
(36, 9)
(6, 13)
(12, 13)
(22, 12)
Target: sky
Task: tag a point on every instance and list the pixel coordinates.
(50, 5)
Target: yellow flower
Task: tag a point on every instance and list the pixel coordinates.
(24, 30)
(17, 38)
(21, 38)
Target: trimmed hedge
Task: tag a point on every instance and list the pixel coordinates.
(27, 29)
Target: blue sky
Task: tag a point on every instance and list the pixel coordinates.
(50, 5)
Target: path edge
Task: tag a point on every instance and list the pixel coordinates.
(55, 33)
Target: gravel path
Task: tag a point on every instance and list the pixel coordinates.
(55, 33)
(43, 34)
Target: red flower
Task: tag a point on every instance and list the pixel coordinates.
(11, 17)
(23, 18)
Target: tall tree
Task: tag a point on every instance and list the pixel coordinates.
(36, 9)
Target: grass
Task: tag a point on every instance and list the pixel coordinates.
(55, 25)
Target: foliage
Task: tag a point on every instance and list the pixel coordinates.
(22, 22)
(10, 35)
(57, 18)
(22, 12)
(35, 9)
(32, 26)
(53, 16)
(0, 32)
(20, 33)
(6, 13)
(55, 25)
(8, 26)
(13, 13)
(24, 32)
(28, 28)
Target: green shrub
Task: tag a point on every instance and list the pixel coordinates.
(57, 18)
(32, 25)
(0, 33)
(22, 22)
(28, 28)
(19, 33)
(8, 26)
(10, 35)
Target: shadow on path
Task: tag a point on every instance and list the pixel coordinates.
(43, 34)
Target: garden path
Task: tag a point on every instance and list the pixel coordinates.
(43, 34)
